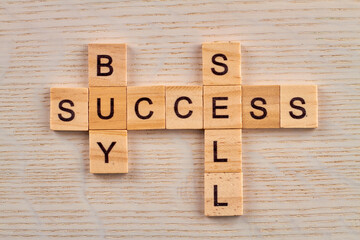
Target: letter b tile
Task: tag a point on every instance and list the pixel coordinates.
(108, 151)
(222, 107)
(107, 65)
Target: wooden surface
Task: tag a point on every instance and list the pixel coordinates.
(298, 184)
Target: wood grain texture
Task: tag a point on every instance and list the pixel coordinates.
(298, 183)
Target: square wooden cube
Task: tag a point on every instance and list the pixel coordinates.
(108, 151)
(107, 65)
(222, 107)
(223, 150)
(299, 106)
(261, 106)
(184, 107)
(146, 107)
(221, 63)
(107, 108)
(69, 109)
(223, 194)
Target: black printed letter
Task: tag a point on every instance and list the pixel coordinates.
(137, 108)
(215, 149)
(214, 107)
(298, 108)
(176, 107)
(216, 203)
(258, 108)
(106, 152)
(100, 65)
(111, 109)
(219, 64)
(66, 110)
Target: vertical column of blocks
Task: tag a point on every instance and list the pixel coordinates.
(222, 107)
(108, 151)
(69, 109)
(107, 108)
(221, 63)
(146, 107)
(222, 123)
(184, 107)
(107, 65)
(261, 106)
(299, 106)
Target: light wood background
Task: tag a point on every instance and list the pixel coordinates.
(298, 184)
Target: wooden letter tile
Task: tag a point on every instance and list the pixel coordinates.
(108, 151)
(299, 106)
(69, 109)
(222, 107)
(146, 107)
(222, 150)
(261, 107)
(107, 65)
(184, 107)
(223, 194)
(221, 63)
(107, 108)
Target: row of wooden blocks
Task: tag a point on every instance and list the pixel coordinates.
(223, 165)
(183, 107)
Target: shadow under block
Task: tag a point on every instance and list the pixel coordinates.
(299, 106)
(223, 150)
(107, 108)
(261, 106)
(184, 107)
(221, 63)
(222, 107)
(223, 194)
(107, 65)
(108, 151)
(146, 107)
(69, 109)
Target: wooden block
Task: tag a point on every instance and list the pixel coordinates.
(221, 63)
(107, 65)
(146, 107)
(223, 150)
(107, 108)
(261, 107)
(299, 106)
(69, 109)
(223, 194)
(184, 107)
(108, 151)
(222, 107)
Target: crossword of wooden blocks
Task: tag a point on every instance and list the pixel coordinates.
(261, 106)
(299, 106)
(146, 107)
(221, 63)
(107, 108)
(223, 194)
(108, 151)
(223, 150)
(222, 107)
(69, 109)
(107, 65)
(184, 107)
